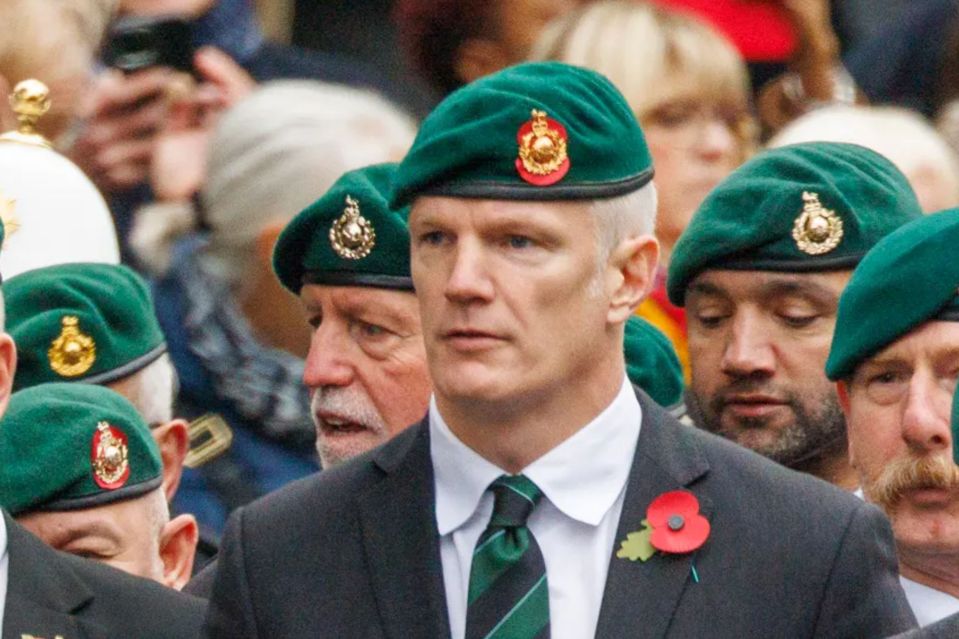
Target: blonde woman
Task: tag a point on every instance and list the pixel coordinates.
(689, 88)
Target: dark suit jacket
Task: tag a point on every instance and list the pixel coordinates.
(354, 552)
(50, 593)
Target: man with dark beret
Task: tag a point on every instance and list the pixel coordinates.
(895, 356)
(91, 481)
(543, 496)
(45, 593)
(760, 269)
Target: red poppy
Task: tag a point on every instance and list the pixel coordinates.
(677, 525)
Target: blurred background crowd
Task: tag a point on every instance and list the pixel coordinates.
(205, 126)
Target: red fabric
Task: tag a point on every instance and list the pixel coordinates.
(675, 313)
(759, 28)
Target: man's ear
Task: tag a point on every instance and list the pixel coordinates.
(8, 366)
(842, 391)
(478, 57)
(266, 240)
(177, 550)
(173, 439)
(632, 267)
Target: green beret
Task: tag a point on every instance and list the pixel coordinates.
(817, 206)
(909, 278)
(651, 362)
(81, 322)
(66, 446)
(349, 237)
(536, 131)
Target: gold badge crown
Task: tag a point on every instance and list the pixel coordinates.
(111, 455)
(542, 150)
(817, 230)
(73, 352)
(352, 235)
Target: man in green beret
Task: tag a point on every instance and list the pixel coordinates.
(347, 257)
(543, 496)
(760, 269)
(895, 356)
(94, 323)
(91, 481)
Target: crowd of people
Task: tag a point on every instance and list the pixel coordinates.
(646, 325)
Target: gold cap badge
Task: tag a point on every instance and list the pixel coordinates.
(542, 150)
(352, 235)
(816, 230)
(109, 456)
(72, 353)
(8, 215)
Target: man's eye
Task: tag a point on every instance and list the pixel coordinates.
(315, 321)
(372, 330)
(519, 241)
(433, 238)
(710, 320)
(798, 321)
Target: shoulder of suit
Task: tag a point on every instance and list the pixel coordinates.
(160, 611)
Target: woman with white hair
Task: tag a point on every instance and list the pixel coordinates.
(689, 89)
(236, 337)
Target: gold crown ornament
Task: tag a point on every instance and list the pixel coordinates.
(73, 352)
(543, 159)
(352, 235)
(817, 230)
(30, 101)
(110, 457)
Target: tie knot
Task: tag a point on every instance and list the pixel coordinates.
(515, 497)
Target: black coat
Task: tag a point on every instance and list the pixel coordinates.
(354, 552)
(51, 594)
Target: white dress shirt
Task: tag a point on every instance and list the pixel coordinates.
(4, 567)
(928, 604)
(583, 481)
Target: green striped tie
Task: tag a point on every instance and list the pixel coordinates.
(508, 597)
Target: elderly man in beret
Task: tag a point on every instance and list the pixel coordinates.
(542, 495)
(91, 484)
(94, 323)
(46, 593)
(895, 356)
(760, 269)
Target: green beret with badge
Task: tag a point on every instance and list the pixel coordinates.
(349, 237)
(811, 207)
(67, 446)
(909, 278)
(535, 131)
(86, 322)
(652, 363)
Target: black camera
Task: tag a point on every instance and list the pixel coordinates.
(137, 42)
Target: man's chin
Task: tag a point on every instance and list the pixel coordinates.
(338, 448)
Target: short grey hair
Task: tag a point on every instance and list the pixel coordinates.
(624, 216)
(152, 389)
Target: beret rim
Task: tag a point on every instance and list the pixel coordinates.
(528, 192)
(130, 491)
(131, 367)
(373, 280)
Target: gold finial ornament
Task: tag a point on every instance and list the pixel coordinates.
(110, 457)
(817, 230)
(352, 235)
(30, 101)
(543, 159)
(72, 353)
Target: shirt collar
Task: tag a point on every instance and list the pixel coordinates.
(582, 477)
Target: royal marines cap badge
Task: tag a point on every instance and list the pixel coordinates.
(816, 230)
(543, 159)
(352, 235)
(109, 457)
(72, 353)
(8, 215)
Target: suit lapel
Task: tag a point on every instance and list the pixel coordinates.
(642, 596)
(43, 593)
(399, 533)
